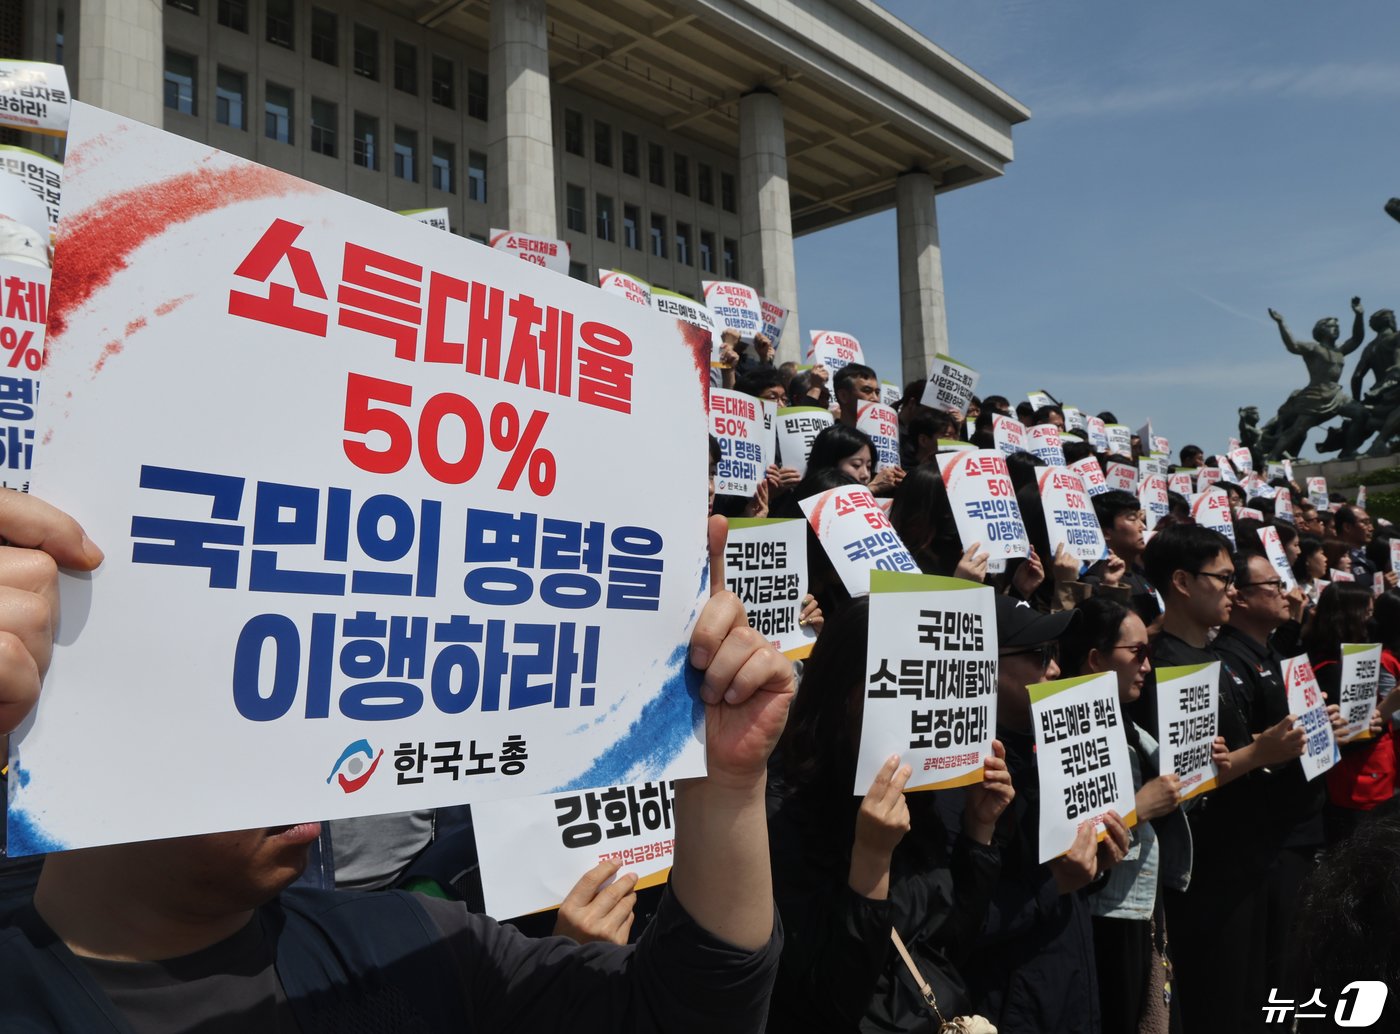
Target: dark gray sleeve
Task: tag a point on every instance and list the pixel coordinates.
(677, 979)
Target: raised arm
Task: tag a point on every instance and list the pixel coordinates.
(721, 873)
(1358, 328)
(1288, 341)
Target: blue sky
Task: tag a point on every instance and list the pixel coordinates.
(1185, 167)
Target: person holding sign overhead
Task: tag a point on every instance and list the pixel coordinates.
(200, 932)
(847, 869)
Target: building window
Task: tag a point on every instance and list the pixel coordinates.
(366, 54)
(682, 175)
(366, 154)
(731, 259)
(184, 5)
(631, 224)
(631, 154)
(281, 24)
(573, 131)
(233, 14)
(579, 270)
(705, 183)
(478, 94)
(605, 228)
(726, 191)
(179, 82)
(707, 251)
(405, 67)
(325, 36)
(575, 218)
(683, 243)
(230, 93)
(602, 143)
(658, 236)
(656, 164)
(476, 176)
(444, 82)
(277, 114)
(406, 154)
(443, 155)
(324, 118)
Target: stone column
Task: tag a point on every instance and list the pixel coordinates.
(765, 212)
(520, 134)
(121, 57)
(923, 319)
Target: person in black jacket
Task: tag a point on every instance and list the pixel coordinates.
(197, 932)
(845, 872)
(1033, 967)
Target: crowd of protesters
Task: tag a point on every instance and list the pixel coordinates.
(894, 911)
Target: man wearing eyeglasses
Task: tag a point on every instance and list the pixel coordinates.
(1355, 528)
(1219, 924)
(1280, 813)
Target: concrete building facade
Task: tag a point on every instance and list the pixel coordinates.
(678, 140)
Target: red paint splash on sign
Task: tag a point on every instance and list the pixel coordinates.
(98, 242)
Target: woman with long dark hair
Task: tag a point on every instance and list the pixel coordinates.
(1130, 938)
(845, 872)
(1365, 775)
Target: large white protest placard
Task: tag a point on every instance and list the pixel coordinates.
(1069, 516)
(1226, 470)
(774, 320)
(1187, 724)
(1306, 701)
(1121, 477)
(1098, 434)
(1211, 509)
(834, 349)
(1040, 399)
(532, 851)
(1043, 442)
(437, 218)
(1243, 460)
(41, 175)
(34, 96)
(1091, 473)
(735, 306)
(931, 680)
(398, 587)
(1248, 512)
(984, 504)
(1206, 477)
(1152, 465)
(1182, 483)
(625, 285)
(1283, 505)
(765, 565)
(1359, 693)
(1161, 446)
(540, 251)
(1009, 434)
(1082, 757)
(1273, 549)
(891, 394)
(1120, 439)
(798, 427)
(736, 421)
(950, 385)
(1076, 421)
(857, 536)
(24, 302)
(882, 424)
(688, 310)
(1152, 497)
(1317, 493)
